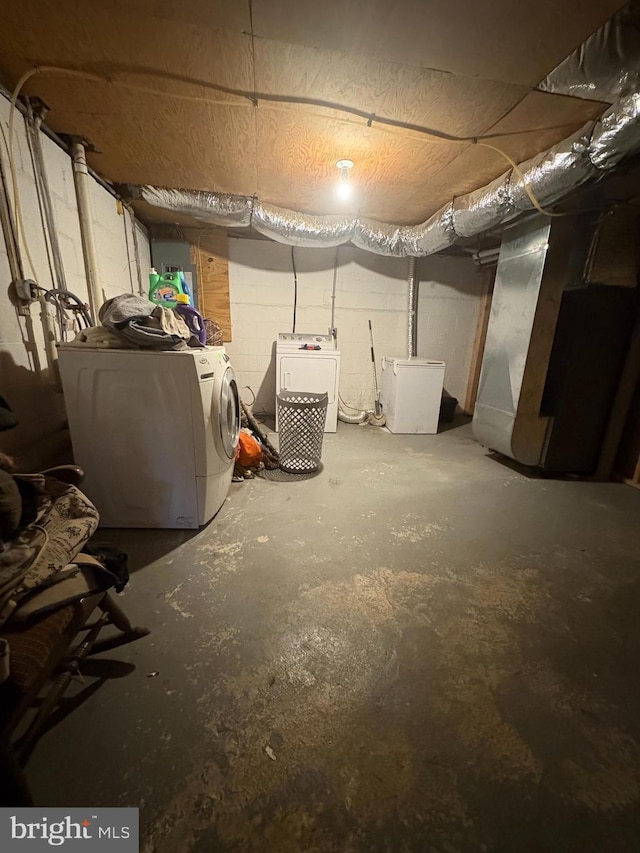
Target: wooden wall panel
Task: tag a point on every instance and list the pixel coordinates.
(484, 310)
(210, 255)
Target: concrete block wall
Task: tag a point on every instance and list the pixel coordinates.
(448, 305)
(367, 287)
(24, 379)
(112, 229)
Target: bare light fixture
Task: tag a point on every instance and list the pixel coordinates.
(344, 187)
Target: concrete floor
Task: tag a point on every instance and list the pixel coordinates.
(440, 653)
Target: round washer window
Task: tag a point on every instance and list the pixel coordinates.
(229, 414)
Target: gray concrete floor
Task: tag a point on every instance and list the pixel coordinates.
(440, 653)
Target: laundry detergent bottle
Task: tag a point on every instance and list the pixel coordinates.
(185, 288)
(163, 289)
(192, 317)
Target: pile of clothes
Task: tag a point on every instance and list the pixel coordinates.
(46, 558)
(134, 322)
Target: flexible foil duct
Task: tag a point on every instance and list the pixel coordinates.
(550, 175)
(554, 173)
(617, 133)
(299, 229)
(412, 344)
(433, 235)
(218, 208)
(379, 238)
(607, 65)
(482, 209)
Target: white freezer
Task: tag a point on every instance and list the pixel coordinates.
(411, 393)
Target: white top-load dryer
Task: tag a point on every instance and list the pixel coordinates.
(300, 367)
(156, 432)
(411, 393)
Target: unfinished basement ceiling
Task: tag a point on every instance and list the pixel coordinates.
(464, 68)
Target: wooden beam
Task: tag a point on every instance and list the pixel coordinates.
(480, 339)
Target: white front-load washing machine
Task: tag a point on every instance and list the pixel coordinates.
(155, 432)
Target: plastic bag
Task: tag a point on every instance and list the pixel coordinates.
(249, 453)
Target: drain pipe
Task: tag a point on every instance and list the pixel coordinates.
(81, 180)
(412, 314)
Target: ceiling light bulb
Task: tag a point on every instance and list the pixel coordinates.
(344, 187)
(344, 190)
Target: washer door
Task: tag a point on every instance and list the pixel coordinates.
(229, 413)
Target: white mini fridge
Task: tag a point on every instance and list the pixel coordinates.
(411, 393)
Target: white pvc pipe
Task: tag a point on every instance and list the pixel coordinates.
(49, 335)
(81, 180)
(487, 253)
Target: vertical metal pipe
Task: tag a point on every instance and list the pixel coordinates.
(412, 344)
(332, 329)
(136, 251)
(81, 180)
(9, 230)
(40, 173)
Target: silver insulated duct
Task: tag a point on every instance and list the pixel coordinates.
(549, 176)
(606, 66)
